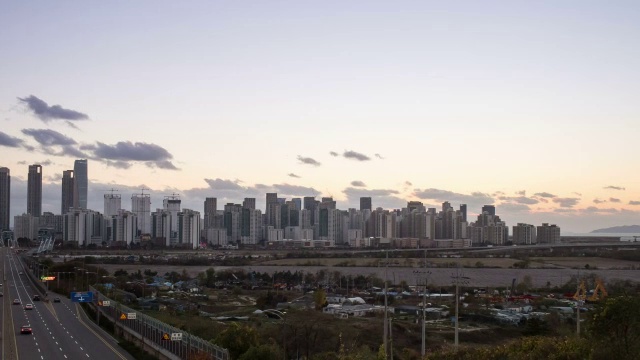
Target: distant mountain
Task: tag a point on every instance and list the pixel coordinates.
(619, 229)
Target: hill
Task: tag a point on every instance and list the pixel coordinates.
(619, 229)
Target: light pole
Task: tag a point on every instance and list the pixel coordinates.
(385, 331)
(458, 279)
(426, 274)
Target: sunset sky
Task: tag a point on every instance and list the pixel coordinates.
(531, 106)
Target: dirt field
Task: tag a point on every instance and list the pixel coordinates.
(580, 262)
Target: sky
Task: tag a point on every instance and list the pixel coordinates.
(531, 106)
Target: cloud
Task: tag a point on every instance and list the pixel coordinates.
(355, 156)
(511, 207)
(118, 164)
(545, 195)
(474, 199)
(593, 209)
(358, 183)
(614, 200)
(293, 175)
(47, 137)
(519, 200)
(10, 141)
(612, 187)
(223, 184)
(333, 153)
(598, 201)
(385, 198)
(566, 202)
(72, 125)
(308, 161)
(295, 190)
(521, 193)
(577, 193)
(47, 113)
(634, 202)
(378, 156)
(153, 155)
(408, 183)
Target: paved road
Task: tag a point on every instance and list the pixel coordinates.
(58, 331)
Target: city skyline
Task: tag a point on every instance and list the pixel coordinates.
(528, 107)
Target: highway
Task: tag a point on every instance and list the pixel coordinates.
(58, 330)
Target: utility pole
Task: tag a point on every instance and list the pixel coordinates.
(386, 335)
(426, 274)
(458, 280)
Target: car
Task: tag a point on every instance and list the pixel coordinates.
(26, 329)
(1, 294)
(20, 273)
(57, 299)
(16, 301)
(28, 307)
(36, 297)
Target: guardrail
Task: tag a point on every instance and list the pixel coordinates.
(150, 329)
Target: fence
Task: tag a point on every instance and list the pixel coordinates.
(155, 331)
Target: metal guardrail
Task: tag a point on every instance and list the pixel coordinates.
(153, 330)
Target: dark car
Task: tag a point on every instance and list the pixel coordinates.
(16, 302)
(36, 297)
(25, 329)
(57, 299)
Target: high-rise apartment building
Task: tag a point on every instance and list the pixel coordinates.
(210, 209)
(67, 191)
(548, 234)
(141, 207)
(463, 211)
(365, 203)
(524, 234)
(189, 229)
(249, 203)
(5, 198)
(489, 209)
(112, 203)
(80, 183)
(172, 205)
(34, 190)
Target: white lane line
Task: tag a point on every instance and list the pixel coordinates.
(60, 349)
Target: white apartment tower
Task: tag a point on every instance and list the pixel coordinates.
(141, 207)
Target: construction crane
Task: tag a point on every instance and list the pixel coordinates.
(581, 293)
(599, 292)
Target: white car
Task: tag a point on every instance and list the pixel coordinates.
(28, 307)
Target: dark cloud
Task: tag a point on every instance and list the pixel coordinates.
(598, 201)
(408, 183)
(355, 156)
(22, 162)
(46, 162)
(614, 200)
(153, 155)
(72, 125)
(358, 183)
(118, 164)
(612, 187)
(308, 161)
(566, 202)
(10, 141)
(634, 202)
(293, 175)
(545, 195)
(593, 209)
(70, 151)
(473, 199)
(378, 156)
(577, 193)
(46, 113)
(333, 153)
(521, 193)
(48, 137)
(565, 210)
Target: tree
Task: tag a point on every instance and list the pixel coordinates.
(262, 352)
(238, 339)
(615, 327)
(320, 299)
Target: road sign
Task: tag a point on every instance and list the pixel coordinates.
(176, 336)
(165, 336)
(123, 316)
(82, 297)
(47, 278)
(131, 316)
(106, 303)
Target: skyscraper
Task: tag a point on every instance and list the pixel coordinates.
(67, 191)
(365, 203)
(210, 209)
(80, 184)
(34, 190)
(490, 209)
(5, 197)
(141, 207)
(463, 211)
(249, 203)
